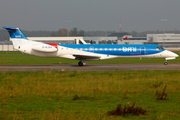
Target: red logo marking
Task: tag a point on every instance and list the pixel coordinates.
(52, 44)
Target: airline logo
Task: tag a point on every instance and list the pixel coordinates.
(17, 36)
(129, 49)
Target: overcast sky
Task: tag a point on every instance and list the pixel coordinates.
(91, 15)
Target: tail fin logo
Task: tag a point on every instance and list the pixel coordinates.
(15, 32)
(18, 36)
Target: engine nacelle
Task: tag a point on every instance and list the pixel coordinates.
(45, 47)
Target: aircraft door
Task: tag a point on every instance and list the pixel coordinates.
(142, 50)
(91, 49)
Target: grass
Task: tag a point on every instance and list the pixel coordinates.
(88, 95)
(14, 58)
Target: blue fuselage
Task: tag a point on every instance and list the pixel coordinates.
(117, 50)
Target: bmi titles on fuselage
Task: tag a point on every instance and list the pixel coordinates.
(129, 49)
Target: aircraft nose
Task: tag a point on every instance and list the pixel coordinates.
(171, 54)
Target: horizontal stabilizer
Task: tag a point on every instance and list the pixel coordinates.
(10, 28)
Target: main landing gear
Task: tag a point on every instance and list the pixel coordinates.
(82, 62)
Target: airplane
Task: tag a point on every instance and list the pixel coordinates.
(86, 52)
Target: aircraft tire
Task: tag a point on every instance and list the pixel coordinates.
(165, 63)
(80, 63)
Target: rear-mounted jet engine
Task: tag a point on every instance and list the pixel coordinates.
(45, 47)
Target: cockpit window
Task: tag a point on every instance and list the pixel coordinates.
(159, 48)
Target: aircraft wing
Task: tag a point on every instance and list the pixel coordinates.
(86, 57)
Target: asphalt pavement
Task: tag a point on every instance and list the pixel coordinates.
(91, 67)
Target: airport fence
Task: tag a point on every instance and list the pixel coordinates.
(6, 47)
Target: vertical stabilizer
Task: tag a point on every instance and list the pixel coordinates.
(16, 36)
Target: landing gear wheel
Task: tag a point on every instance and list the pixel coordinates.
(80, 63)
(165, 63)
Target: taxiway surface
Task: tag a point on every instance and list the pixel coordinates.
(90, 67)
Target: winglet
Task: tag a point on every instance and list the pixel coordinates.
(15, 32)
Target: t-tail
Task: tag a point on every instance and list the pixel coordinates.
(21, 43)
(15, 33)
(16, 36)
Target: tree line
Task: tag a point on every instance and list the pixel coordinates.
(64, 33)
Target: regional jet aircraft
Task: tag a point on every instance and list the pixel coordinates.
(85, 52)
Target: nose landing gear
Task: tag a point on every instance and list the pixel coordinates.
(165, 63)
